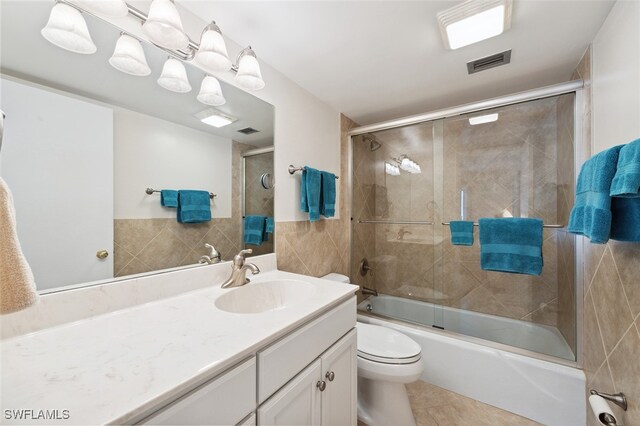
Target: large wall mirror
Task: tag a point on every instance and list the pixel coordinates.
(83, 141)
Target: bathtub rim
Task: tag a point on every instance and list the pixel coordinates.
(473, 340)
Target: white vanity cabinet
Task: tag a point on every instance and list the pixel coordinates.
(324, 393)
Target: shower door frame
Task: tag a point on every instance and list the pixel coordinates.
(580, 154)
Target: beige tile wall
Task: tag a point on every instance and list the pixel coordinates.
(611, 305)
(321, 247)
(144, 245)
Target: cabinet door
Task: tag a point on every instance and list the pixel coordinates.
(339, 371)
(297, 403)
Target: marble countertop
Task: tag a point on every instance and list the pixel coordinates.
(122, 366)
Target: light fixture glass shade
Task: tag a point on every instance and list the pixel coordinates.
(211, 92)
(164, 27)
(129, 58)
(174, 77)
(249, 76)
(68, 30)
(107, 8)
(212, 53)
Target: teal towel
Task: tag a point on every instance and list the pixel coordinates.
(310, 193)
(511, 245)
(626, 182)
(591, 213)
(270, 225)
(461, 232)
(328, 201)
(169, 198)
(255, 230)
(625, 219)
(194, 206)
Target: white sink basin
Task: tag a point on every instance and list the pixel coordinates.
(265, 296)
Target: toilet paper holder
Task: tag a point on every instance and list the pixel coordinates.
(617, 398)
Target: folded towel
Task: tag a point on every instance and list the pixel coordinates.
(255, 230)
(511, 245)
(194, 206)
(270, 225)
(310, 191)
(328, 198)
(17, 286)
(591, 213)
(626, 182)
(625, 219)
(169, 198)
(461, 232)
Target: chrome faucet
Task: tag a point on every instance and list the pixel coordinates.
(239, 270)
(214, 256)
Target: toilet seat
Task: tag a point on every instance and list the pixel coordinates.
(383, 345)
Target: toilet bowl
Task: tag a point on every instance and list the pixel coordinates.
(387, 361)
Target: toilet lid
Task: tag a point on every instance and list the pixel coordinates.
(382, 344)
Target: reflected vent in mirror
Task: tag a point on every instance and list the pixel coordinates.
(248, 131)
(487, 62)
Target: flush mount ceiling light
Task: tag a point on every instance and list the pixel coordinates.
(473, 21)
(106, 8)
(128, 57)
(174, 77)
(212, 53)
(211, 92)
(67, 29)
(214, 118)
(248, 70)
(163, 25)
(481, 119)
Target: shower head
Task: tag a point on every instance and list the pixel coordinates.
(374, 145)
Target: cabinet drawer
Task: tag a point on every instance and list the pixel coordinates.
(227, 399)
(281, 361)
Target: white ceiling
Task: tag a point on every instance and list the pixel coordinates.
(378, 60)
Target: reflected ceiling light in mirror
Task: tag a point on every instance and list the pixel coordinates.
(128, 57)
(164, 26)
(211, 92)
(408, 165)
(248, 70)
(174, 77)
(68, 30)
(474, 21)
(212, 54)
(215, 118)
(481, 119)
(105, 8)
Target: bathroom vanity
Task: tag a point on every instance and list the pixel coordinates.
(281, 349)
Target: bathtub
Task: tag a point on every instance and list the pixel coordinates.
(461, 359)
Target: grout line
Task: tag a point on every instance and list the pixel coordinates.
(595, 271)
(624, 292)
(593, 304)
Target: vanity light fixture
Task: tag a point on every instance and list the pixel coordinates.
(391, 169)
(106, 8)
(481, 119)
(248, 70)
(163, 25)
(68, 30)
(474, 21)
(215, 118)
(212, 53)
(408, 165)
(128, 56)
(211, 92)
(174, 77)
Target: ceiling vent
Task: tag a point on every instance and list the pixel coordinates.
(248, 130)
(487, 62)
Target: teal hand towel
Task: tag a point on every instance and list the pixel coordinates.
(169, 198)
(511, 245)
(270, 225)
(591, 213)
(461, 232)
(626, 182)
(194, 206)
(625, 219)
(310, 193)
(328, 202)
(254, 229)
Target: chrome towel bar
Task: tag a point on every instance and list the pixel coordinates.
(398, 222)
(544, 226)
(150, 191)
(293, 169)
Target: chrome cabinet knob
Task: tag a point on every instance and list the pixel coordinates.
(330, 375)
(102, 254)
(322, 385)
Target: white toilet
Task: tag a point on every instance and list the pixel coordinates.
(387, 360)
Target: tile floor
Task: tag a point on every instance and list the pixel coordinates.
(434, 406)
